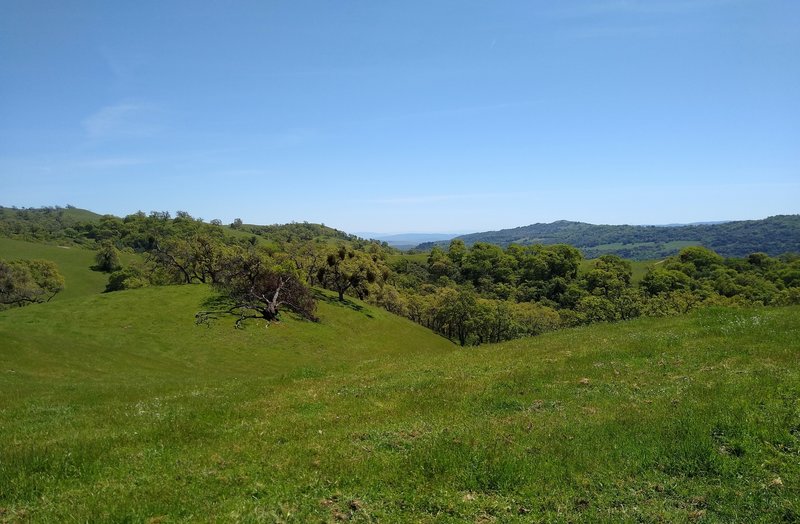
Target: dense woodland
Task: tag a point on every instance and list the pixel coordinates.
(774, 236)
(472, 294)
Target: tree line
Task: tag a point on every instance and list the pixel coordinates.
(471, 294)
(484, 293)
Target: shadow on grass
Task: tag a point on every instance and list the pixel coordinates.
(215, 302)
(334, 301)
(214, 308)
(219, 306)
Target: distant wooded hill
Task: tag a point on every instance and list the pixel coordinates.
(774, 235)
(80, 226)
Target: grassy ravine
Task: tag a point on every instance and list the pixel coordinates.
(117, 408)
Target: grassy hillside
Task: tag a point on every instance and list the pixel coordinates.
(148, 336)
(64, 215)
(73, 262)
(45, 223)
(116, 407)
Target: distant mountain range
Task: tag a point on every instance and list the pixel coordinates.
(774, 235)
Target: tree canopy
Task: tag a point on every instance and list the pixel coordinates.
(25, 282)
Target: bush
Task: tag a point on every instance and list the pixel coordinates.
(127, 278)
(597, 309)
(107, 258)
(535, 319)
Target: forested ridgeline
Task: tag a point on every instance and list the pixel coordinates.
(471, 294)
(70, 225)
(774, 235)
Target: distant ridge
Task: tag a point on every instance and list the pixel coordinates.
(677, 224)
(774, 235)
(408, 240)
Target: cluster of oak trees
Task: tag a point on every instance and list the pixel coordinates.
(485, 293)
(257, 279)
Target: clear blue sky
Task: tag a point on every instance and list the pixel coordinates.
(394, 116)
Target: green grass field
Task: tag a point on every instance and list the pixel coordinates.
(73, 262)
(117, 408)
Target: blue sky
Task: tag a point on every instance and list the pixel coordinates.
(404, 116)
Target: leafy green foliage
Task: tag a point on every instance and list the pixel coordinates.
(348, 269)
(297, 232)
(141, 231)
(563, 291)
(46, 223)
(107, 258)
(131, 277)
(256, 284)
(24, 282)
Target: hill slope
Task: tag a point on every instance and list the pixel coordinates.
(73, 262)
(118, 408)
(774, 236)
(148, 336)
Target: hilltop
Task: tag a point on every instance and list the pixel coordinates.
(774, 235)
(70, 225)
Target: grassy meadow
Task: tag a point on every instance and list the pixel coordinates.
(118, 408)
(73, 262)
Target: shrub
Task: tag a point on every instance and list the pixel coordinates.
(127, 278)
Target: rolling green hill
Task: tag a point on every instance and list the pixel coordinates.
(117, 407)
(73, 262)
(62, 215)
(69, 226)
(774, 236)
(296, 231)
(46, 223)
